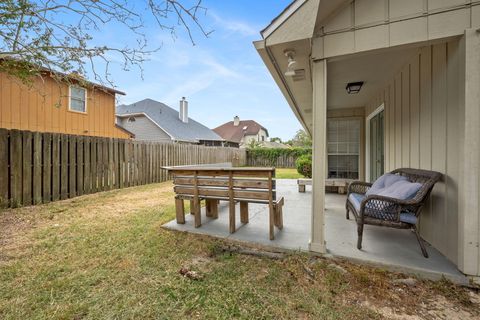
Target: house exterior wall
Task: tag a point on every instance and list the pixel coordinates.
(363, 25)
(254, 137)
(423, 129)
(144, 129)
(43, 107)
(262, 135)
(248, 139)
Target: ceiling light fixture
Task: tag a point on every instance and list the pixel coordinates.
(354, 87)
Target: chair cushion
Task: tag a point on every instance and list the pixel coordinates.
(408, 217)
(356, 199)
(402, 190)
(385, 181)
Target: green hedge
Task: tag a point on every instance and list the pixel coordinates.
(270, 156)
(274, 153)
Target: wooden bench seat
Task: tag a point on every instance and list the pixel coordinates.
(235, 185)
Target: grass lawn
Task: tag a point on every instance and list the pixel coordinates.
(287, 173)
(105, 256)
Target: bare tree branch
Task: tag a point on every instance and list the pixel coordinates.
(55, 34)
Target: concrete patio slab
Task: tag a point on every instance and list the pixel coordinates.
(390, 248)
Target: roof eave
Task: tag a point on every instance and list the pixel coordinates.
(278, 77)
(281, 18)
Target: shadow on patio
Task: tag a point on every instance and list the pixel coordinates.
(392, 248)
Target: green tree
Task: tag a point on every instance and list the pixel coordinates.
(276, 139)
(301, 139)
(55, 35)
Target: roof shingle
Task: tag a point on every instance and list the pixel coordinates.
(167, 119)
(230, 132)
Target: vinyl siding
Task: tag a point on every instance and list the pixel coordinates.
(43, 107)
(144, 129)
(423, 129)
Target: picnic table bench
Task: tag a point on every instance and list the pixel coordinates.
(242, 185)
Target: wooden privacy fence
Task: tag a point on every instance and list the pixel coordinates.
(42, 167)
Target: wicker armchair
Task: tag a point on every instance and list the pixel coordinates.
(389, 212)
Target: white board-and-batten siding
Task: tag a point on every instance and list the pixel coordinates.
(423, 129)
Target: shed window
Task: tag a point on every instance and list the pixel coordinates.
(78, 99)
(343, 148)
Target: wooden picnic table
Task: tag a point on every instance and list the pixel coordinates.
(226, 183)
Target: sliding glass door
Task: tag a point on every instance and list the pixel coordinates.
(376, 146)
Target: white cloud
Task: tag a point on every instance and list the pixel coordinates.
(235, 26)
(190, 86)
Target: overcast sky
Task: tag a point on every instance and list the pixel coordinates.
(222, 76)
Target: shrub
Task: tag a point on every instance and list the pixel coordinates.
(304, 165)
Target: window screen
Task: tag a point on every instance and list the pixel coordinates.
(78, 99)
(343, 148)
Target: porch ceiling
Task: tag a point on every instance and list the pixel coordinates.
(374, 69)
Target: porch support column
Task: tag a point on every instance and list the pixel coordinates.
(469, 187)
(317, 239)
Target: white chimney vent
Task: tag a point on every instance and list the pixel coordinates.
(183, 112)
(236, 121)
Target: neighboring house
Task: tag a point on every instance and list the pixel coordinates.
(384, 84)
(49, 105)
(151, 120)
(242, 132)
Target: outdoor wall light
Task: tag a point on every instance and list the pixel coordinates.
(290, 54)
(354, 87)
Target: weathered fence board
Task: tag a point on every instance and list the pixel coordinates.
(87, 175)
(16, 168)
(4, 164)
(80, 166)
(27, 168)
(55, 167)
(64, 167)
(72, 166)
(46, 167)
(42, 167)
(37, 168)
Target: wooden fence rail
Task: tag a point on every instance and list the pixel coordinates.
(42, 167)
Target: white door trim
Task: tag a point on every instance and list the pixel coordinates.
(367, 139)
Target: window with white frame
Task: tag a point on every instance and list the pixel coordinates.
(343, 148)
(78, 99)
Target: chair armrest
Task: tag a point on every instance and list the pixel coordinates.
(358, 187)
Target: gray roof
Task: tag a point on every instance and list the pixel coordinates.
(167, 119)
